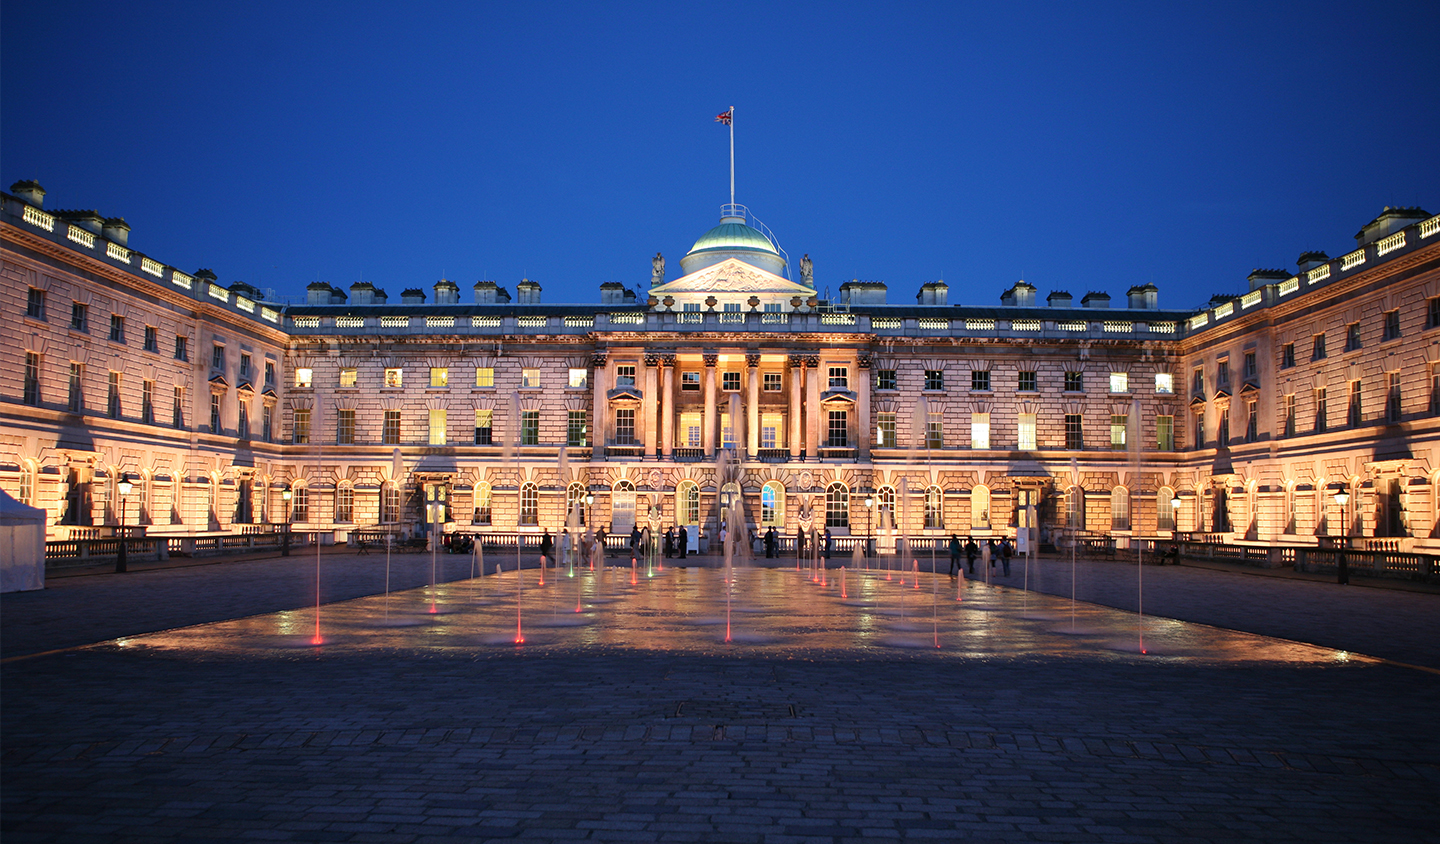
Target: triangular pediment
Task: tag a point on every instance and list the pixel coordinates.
(732, 276)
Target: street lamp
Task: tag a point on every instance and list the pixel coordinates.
(869, 502)
(286, 494)
(124, 486)
(1342, 565)
(589, 511)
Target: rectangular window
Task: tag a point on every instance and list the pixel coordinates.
(579, 376)
(838, 436)
(727, 431)
(1392, 325)
(1074, 432)
(182, 348)
(1290, 415)
(625, 426)
(979, 430)
(1222, 373)
(484, 376)
(439, 376)
(77, 381)
(1252, 421)
(577, 428)
(1164, 383)
(304, 376)
(390, 428)
(35, 304)
(1222, 435)
(1029, 381)
(1119, 382)
(1199, 381)
(690, 430)
(1118, 423)
(394, 377)
(730, 381)
(624, 375)
(1074, 382)
(690, 382)
(839, 378)
(269, 373)
(1026, 439)
(1251, 370)
(1165, 433)
(267, 423)
(1287, 355)
(980, 379)
(117, 328)
(215, 413)
(177, 415)
(1353, 416)
(773, 382)
(771, 424)
(147, 402)
(345, 427)
(79, 316)
(1317, 349)
(345, 505)
(217, 357)
(1432, 312)
(1392, 396)
(885, 379)
(530, 379)
(245, 367)
(934, 430)
(885, 429)
(437, 426)
(935, 379)
(242, 427)
(484, 427)
(529, 427)
(1321, 422)
(152, 339)
(112, 400)
(349, 377)
(390, 504)
(32, 378)
(300, 505)
(301, 430)
(1352, 336)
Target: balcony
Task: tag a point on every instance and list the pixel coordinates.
(630, 452)
(688, 455)
(837, 452)
(773, 455)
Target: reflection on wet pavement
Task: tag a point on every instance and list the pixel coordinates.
(779, 613)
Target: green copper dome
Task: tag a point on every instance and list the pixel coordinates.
(732, 236)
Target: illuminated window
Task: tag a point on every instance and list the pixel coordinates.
(577, 427)
(530, 379)
(772, 505)
(482, 504)
(980, 508)
(300, 430)
(529, 504)
(1074, 382)
(579, 376)
(1164, 382)
(885, 429)
(934, 509)
(1165, 433)
(1026, 433)
(771, 425)
(837, 506)
(349, 377)
(439, 376)
(484, 376)
(979, 430)
(1118, 423)
(394, 377)
(687, 503)
(934, 429)
(1120, 508)
(1119, 382)
(303, 376)
(437, 426)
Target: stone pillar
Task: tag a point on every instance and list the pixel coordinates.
(648, 405)
(752, 406)
(667, 410)
(797, 383)
(814, 414)
(862, 406)
(708, 435)
(599, 416)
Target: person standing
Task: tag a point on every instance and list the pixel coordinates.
(829, 544)
(987, 553)
(772, 543)
(635, 541)
(600, 541)
(546, 546)
(971, 552)
(1005, 550)
(668, 545)
(954, 554)
(684, 547)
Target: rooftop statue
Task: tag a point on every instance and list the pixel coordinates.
(657, 270)
(807, 271)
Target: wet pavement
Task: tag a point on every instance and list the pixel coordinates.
(838, 711)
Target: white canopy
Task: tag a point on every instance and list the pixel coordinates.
(22, 546)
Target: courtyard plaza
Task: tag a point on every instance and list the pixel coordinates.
(189, 702)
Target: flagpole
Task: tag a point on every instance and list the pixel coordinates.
(732, 154)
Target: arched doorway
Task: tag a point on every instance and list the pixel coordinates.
(622, 507)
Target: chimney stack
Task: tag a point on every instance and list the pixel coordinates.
(29, 191)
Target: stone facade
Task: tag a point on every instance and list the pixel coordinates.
(948, 419)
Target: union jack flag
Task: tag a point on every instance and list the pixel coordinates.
(724, 117)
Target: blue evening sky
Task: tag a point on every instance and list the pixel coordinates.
(1079, 146)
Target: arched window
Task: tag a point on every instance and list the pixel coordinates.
(885, 508)
(27, 483)
(622, 506)
(482, 504)
(299, 503)
(1164, 513)
(687, 503)
(142, 498)
(344, 503)
(1119, 508)
(1075, 508)
(575, 505)
(1292, 511)
(529, 504)
(772, 504)
(980, 508)
(934, 509)
(837, 506)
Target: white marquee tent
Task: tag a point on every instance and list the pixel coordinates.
(22, 546)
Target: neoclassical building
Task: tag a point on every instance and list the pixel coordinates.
(515, 415)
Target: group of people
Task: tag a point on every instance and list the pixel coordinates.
(991, 551)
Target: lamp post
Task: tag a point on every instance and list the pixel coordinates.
(1175, 528)
(285, 495)
(121, 561)
(589, 511)
(869, 502)
(1342, 565)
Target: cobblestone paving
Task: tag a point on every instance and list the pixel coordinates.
(112, 744)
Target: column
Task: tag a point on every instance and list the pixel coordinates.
(862, 407)
(600, 412)
(814, 422)
(708, 436)
(667, 410)
(752, 406)
(797, 383)
(652, 364)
